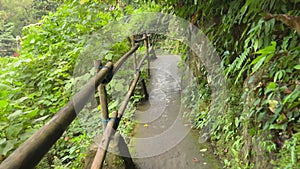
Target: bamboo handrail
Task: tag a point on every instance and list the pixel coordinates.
(33, 149)
(112, 127)
(119, 63)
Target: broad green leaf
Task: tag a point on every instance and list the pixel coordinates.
(258, 64)
(109, 56)
(256, 102)
(22, 99)
(270, 87)
(236, 122)
(5, 148)
(255, 45)
(261, 116)
(27, 134)
(266, 54)
(5, 87)
(279, 75)
(41, 118)
(2, 141)
(257, 59)
(32, 113)
(278, 126)
(3, 104)
(32, 41)
(297, 67)
(113, 105)
(13, 130)
(268, 50)
(293, 96)
(3, 125)
(15, 115)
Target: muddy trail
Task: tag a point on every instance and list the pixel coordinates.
(163, 138)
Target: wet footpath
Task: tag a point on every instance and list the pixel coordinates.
(163, 138)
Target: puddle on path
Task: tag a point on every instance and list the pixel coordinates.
(163, 139)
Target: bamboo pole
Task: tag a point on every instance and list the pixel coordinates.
(97, 64)
(119, 63)
(128, 95)
(139, 40)
(134, 54)
(103, 104)
(103, 147)
(147, 52)
(148, 39)
(152, 51)
(102, 96)
(141, 62)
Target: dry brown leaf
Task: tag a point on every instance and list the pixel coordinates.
(272, 105)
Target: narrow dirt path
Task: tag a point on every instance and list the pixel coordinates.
(164, 139)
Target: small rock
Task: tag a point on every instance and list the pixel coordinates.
(195, 160)
(186, 125)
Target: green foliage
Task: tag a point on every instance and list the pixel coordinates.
(15, 15)
(261, 63)
(40, 8)
(289, 155)
(15, 12)
(37, 84)
(25, 13)
(266, 55)
(260, 58)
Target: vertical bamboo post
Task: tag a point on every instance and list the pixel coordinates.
(103, 147)
(147, 51)
(102, 96)
(134, 54)
(103, 104)
(148, 39)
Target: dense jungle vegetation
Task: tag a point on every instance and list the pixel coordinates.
(260, 57)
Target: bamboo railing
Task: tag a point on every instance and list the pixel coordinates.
(29, 154)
